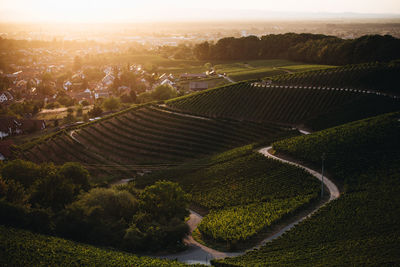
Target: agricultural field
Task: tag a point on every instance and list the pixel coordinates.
(359, 228)
(24, 248)
(239, 223)
(369, 76)
(243, 201)
(257, 69)
(285, 104)
(146, 135)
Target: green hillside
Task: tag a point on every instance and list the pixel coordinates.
(361, 227)
(285, 104)
(148, 135)
(368, 76)
(244, 192)
(23, 248)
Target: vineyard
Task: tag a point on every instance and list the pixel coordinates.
(343, 144)
(240, 223)
(244, 191)
(361, 227)
(368, 76)
(149, 137)
(23, 248)
(284, 104)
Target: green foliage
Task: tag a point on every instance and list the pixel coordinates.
(147, 134)
(105, 205)
(245, 191)
(24, 172)
(314, 48)
(160, 222)
(161, 92)
(22, 248)
(111, 103)
(361, 227)
(284, 104)
(45, 185)
(77, 174)
(239, 223)
(165, 200)
(367, 76)
(96, 111)
(343, 144)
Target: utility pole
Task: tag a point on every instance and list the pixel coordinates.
(322, 175)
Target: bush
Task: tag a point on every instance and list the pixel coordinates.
(96, 111)
(52, 105)
(24, 172)
(111, 103)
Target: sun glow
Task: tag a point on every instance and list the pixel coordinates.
(157, 10)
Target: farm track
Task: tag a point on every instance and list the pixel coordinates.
(198, 253)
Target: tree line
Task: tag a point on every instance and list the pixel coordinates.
(310, 48)
(61, 201)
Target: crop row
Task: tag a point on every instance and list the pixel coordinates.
(240, 223)
(245, 101)
(372, 76)
(149, 135)
(361, 227)
(23, 248)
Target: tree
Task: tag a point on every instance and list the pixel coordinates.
(111, 103)
(96, 111)
(202, 51)
(164, 200)
(24, 172)
(164, 92)
(99, 216)
(160, 220)
(77, 174)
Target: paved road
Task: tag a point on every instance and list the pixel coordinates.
(198, 253)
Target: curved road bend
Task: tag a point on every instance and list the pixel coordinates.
(198, 253)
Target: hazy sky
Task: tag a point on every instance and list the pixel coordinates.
(131, 10)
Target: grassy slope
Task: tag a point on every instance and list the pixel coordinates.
(257, 69)
(319, 108)
(243, 184)
(23, 248)
(361, 227)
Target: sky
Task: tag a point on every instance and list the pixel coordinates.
(159, 10)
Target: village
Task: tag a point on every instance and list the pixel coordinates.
(53, 89)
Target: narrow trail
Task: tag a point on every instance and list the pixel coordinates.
(198, 253)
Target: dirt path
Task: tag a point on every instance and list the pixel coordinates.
(198, 253)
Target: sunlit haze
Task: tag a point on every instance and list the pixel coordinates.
(156, 10)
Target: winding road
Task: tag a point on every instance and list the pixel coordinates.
(198, 253)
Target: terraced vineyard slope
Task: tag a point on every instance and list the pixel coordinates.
(361, 227)
(369, 76)
(285, 104)
(145, 138)
(245, 192)
(23, 248)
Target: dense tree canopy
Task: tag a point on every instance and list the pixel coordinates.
(312, 48)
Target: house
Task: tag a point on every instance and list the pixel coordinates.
(198, 86)
(101, 94)
(6, 97)
(12, 126)
(85, 95)
(67, 85)
(167, 82)
(5, 149)
(108, 80)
